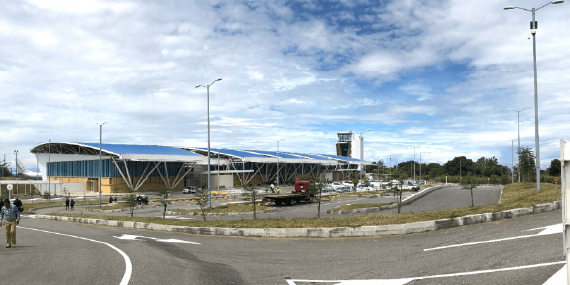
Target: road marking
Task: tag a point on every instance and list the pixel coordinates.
(128, 264)
(548, 230)
(560, 277)
(403, 281)
(134, 237)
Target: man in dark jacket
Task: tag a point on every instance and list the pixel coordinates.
(18, 204)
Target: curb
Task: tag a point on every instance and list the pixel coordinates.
(406, 201)
(401, 229)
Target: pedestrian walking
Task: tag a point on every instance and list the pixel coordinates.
(110, 199)
(11, 218)
(72, 204)
(18, 204)
(67, 204)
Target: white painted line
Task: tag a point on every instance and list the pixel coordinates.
(406, 280)
(134, 237)
(128, 264)
(559, 277)
(549, 230)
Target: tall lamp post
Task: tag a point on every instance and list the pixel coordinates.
(420, 166)
(278, 163)
(48, 169)
(16, 154)
(519, 134)
(208, 103)
(415, 162)
(4, 164)
(533, 27)
(361, 141)
(100, 146)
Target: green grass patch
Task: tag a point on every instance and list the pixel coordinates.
(361, 206)
(229, 208)
(517, 195)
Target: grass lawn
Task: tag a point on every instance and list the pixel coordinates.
(516, 195)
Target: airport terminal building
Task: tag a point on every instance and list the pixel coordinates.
(117, 168)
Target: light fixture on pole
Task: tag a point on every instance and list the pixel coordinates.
(16, 154)
(533, 27)
(100, 147)
(361, 141)
(208, 103)
(519, 134)
(277, 184)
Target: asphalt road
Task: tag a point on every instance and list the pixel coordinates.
(51, 252)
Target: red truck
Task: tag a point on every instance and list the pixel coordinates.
(300, 193)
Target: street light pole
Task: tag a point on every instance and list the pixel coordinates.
(16, 153)
(519, 135)
(100, 146)
(208, 103)
(533, 27)
(48, 173)
(278, 163)
(4, 164)
(361, 151)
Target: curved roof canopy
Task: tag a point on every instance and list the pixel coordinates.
(120, 151)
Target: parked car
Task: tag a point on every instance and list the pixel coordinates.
(362, 187)
(190, 190)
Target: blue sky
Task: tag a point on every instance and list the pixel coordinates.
(437, 75)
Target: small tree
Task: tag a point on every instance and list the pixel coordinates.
(164, 200)
(202, 201)
(131, 201)
(469, 184)
(316, 194)
(251, 193)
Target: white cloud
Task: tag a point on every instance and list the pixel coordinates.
(439, 74)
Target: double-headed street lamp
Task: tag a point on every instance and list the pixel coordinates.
(533, 27)
(519, 134)
(208, 103)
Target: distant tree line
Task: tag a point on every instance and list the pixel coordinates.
(484, 170)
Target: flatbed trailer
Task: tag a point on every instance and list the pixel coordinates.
(288, 199)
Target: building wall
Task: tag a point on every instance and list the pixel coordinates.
(118, 185)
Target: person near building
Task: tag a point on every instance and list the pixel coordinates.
(72, 203)
(10, 216)
(67, 204)
(18, 204)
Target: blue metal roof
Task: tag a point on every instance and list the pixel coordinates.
(337, 157)
(274, 154)
(141, 149)
(231, 152)
(306, 155)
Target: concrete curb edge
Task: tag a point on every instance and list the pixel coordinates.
(400, 229)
